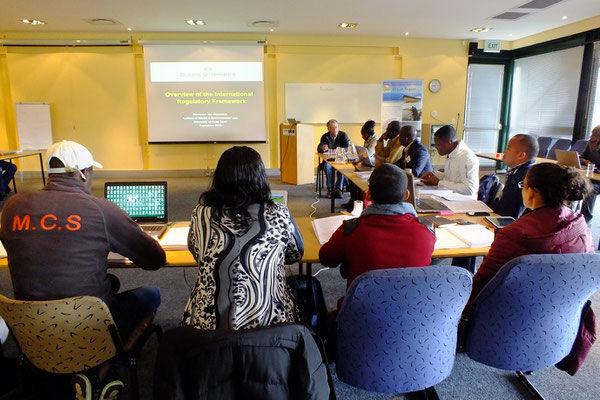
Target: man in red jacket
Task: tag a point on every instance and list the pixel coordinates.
(386, 235)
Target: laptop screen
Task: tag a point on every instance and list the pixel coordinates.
(143, 201)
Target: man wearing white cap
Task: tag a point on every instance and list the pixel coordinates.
(58, 240)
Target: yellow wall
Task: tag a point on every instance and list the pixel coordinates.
(97, 93)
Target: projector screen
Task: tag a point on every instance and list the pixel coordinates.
(207, 93)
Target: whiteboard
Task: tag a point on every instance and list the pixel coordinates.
(315, 103)
(34, 126)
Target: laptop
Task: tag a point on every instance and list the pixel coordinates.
(363, 157)
(144, 202)
(568, 158)
(279, 196)
(427, 205)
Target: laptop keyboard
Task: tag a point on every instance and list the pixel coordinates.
(151, 228)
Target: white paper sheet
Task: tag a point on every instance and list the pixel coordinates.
(175, 238)
(325, 227)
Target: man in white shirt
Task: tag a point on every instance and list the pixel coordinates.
(461, 169)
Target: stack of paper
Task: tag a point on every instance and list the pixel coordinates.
(363, 174)
(325, 227)
(466, 206)
(175, 238)
(474, 235)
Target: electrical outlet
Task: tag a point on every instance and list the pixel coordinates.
(453, 121)
(434, 114)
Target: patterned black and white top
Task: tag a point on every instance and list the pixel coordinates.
(241, 275)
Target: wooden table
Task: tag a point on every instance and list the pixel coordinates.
(9, 156)
(498, 157)
(346, 169)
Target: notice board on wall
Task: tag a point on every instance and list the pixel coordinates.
(34, 126)
(315, 103)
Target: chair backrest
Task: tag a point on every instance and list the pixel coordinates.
(580, 145)
(62, 336)
(275, 362)
(544, 143)
(488, 188)
(561, 144)
(397, 328)
(527, 316)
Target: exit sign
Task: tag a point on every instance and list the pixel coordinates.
(491, 46)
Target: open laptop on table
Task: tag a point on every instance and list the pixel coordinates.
(144, 202)
(364, 162)
(427, 205)
(568, 158)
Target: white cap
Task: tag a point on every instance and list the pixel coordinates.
(74, 156)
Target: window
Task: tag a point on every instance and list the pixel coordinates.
(594, 110)
(544, 93)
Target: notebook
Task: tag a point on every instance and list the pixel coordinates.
(144, 202)
(422, 205)
(568, 158)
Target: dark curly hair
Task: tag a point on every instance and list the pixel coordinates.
(240, 180)
(557, 184)
(368, 128)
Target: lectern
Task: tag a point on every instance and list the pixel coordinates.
(297, 153)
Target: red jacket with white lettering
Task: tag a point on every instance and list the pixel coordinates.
(58, 239)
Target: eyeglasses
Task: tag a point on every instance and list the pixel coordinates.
(522, 184)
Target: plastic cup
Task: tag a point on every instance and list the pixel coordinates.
(589, 171)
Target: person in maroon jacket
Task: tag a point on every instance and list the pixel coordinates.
(386, 235)
(550, 228)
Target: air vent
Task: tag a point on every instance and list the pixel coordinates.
(510, 15)
(539, 4)
(102, 21)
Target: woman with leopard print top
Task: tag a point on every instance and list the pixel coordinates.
(241, 241)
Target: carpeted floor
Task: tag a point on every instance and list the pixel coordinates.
(469, 379)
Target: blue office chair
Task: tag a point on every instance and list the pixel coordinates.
(561, 144)
(397, 328)
(544, 143)
(580, 145)
(526, 318)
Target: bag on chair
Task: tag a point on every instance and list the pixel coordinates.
(310, 301)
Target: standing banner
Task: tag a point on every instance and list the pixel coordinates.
(402, 100)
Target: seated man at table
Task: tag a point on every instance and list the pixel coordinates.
(58, 240)
(591, 155)
(414, 156)
(7, 172)
(392, 151)
(331, 140)
(519, 156)
(461, 169)
(386, 235)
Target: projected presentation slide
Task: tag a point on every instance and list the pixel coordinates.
(205, 93)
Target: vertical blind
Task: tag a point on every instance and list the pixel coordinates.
(594, 111)
(544, 93)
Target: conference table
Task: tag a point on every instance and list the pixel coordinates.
(595, 176)
(347, 169)
(12, 154)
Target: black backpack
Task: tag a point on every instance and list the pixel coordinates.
(310, 302)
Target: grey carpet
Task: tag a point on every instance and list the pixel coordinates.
(469, 379)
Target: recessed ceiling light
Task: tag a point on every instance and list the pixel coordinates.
(564, 17)
(480, 30)
(510, 34)
(129, 29)
(195, 22)
(347, 25)
(271, 30)
(406, 33)
(33, 22)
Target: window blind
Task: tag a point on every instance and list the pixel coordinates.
(544, 93)
(594, 110)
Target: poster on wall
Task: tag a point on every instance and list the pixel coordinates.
(402, 100)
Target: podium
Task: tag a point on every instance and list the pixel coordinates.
(297, 153)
